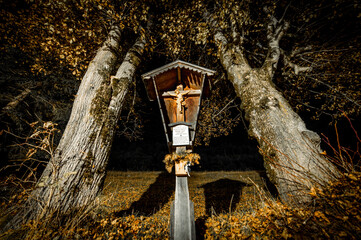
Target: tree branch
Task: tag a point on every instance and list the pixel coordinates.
(334, 89)
(275, 31)
(218, 35)
(230, 54)
(296, 68)
(300, 50)
(18, 99)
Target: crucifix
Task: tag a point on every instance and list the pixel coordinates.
(178, 94)
(179, 110)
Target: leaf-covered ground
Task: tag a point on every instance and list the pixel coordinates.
(228, 205)
(143, 199)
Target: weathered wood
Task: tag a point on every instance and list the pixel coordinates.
(75, 174)
(182, 214)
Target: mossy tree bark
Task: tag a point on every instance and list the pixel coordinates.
(291, 152)
(74, 175)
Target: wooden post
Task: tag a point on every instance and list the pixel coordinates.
(182, 226)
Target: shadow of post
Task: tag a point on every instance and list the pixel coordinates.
(156, 196)
(222, 195)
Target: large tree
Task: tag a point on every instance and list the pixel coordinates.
(292, 153)
(75, 173)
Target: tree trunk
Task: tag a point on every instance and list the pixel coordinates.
(74, 175)
(291, 152)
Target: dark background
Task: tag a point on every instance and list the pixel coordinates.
(236, 152)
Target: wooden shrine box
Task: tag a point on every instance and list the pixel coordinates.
(178, 87)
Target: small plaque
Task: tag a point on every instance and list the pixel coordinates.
(180, 135)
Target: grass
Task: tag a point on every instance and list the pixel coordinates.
(152, 192)
(136, 205)
(228, 205)
(145, 198)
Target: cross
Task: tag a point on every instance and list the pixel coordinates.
(179, 94)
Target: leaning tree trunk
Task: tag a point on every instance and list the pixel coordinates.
(291, 152)
(74, 175)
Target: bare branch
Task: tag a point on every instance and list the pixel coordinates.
(218, 35)
(224, 108)
(300, 50)
(231, 54)
(275, 31)
(334, 89)
(296, 68)
(18, 99)
(284, 13)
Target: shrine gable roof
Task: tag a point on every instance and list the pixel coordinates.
(167, 77)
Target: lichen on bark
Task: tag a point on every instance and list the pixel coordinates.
(118, 85)
(88, 167)
(100, 102)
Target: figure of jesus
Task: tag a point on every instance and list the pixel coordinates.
(179, 93)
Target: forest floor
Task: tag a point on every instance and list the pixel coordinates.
(227, 205)
(148, 196)
(136, 205)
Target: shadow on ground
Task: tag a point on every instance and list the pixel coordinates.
(156, 196)
(222, 195)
